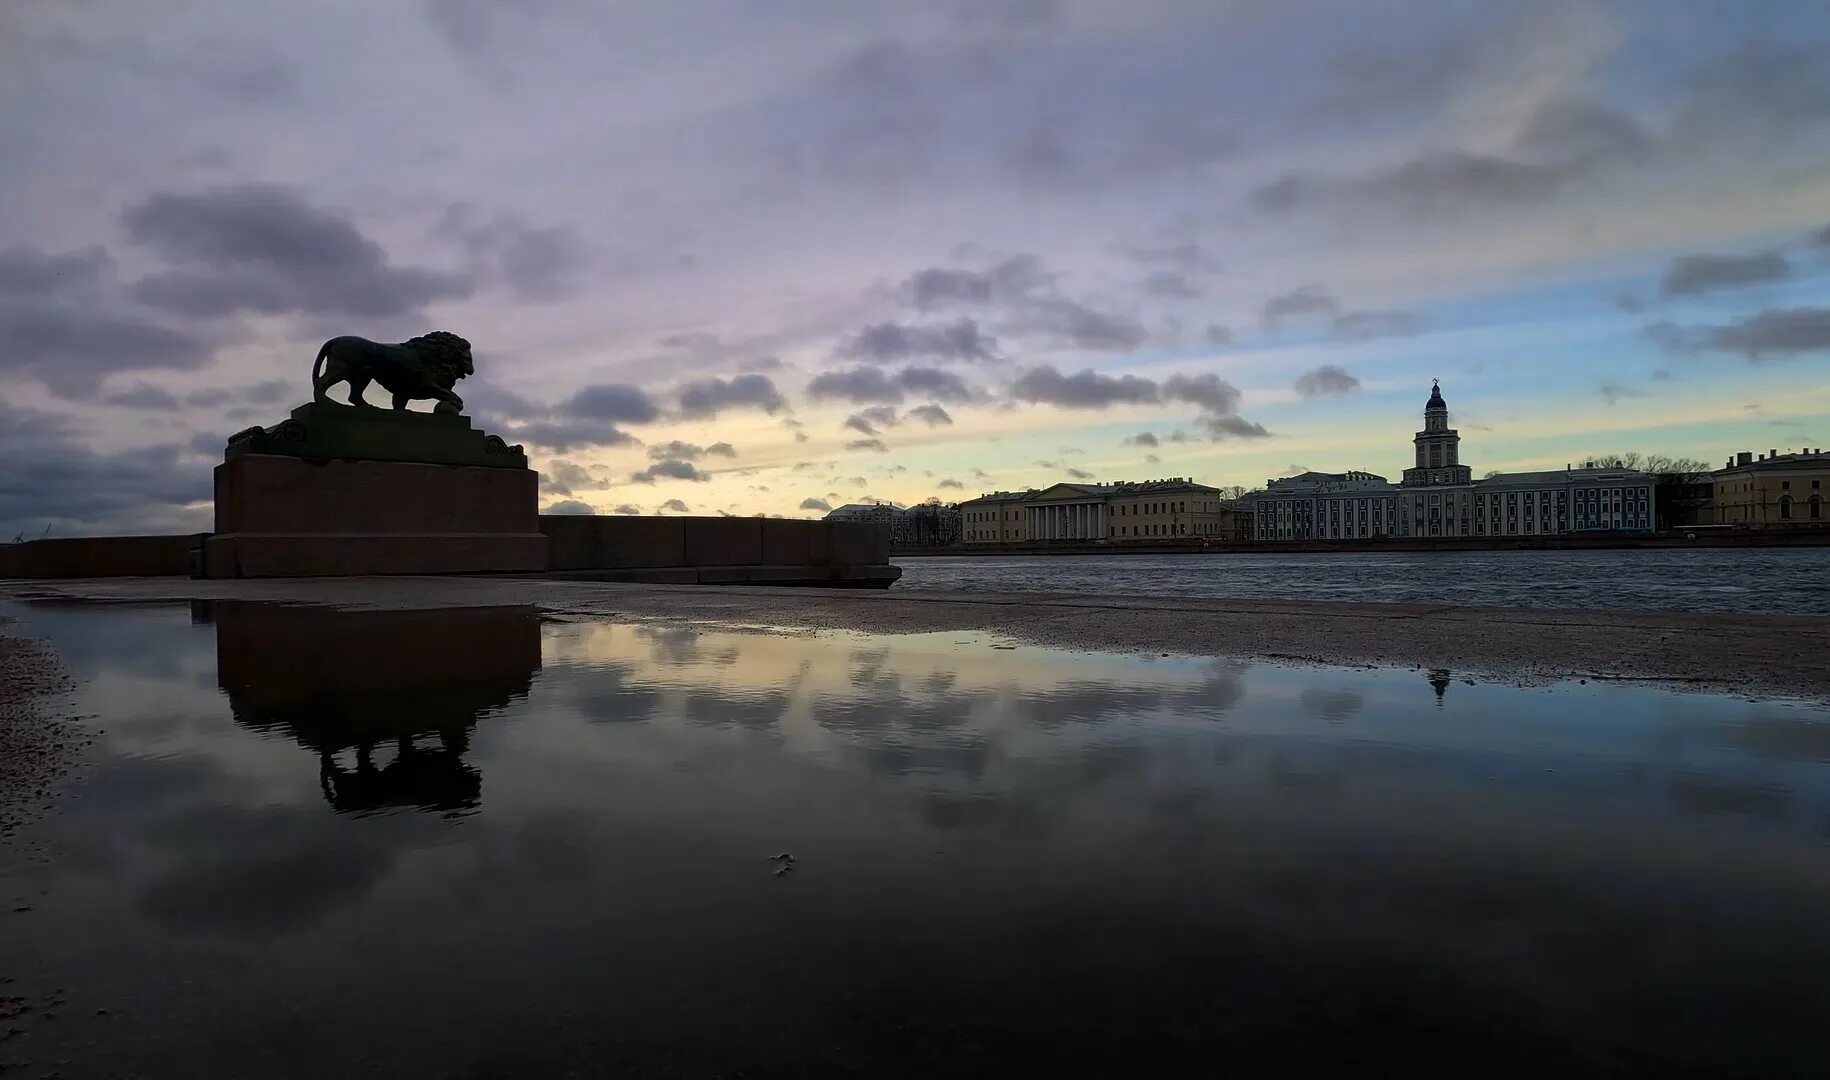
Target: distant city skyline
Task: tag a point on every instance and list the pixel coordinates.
(731, 258)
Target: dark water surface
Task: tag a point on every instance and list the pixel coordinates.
(1761, 580)
(474, 843)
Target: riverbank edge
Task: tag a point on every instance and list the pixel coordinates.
(38, 747)
(1777, 656)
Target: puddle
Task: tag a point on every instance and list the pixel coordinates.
(476, 843)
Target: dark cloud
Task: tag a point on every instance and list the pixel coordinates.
(1028, 305)
(874, 445)
(936, 384)
(62, 324)
(669, 470)
(1307, 300)
(676, 506)
(1217, 334)
(931, 415)
(628, 510)
(859, 385)
(884, 415)
(1173, 285)
(53, 479)
(213, 398)
(685, 451)
(815, 504)
(961, 341)
(271, 392)
(1077, 325)
(1613, 392)
(1688, 275)
(571, 507)
(952, 483)
(264, 249)
(1184, 256)
(1370, 325)
(1008, 280)
(1627, 302)
(712, 395)
(614, 402)
(562, 477)
(1207, 390)
(1232, 427)
(143, 396)
(1326, 381)
(1153, 459)
(1079, 474)
(1143, 438)
(1760, 90)
(29, 272)
(860, 425)
(1059, 157)
(1434, 183)
(535, 263)
(1086, 389)
(1776, 332)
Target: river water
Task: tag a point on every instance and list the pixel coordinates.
(1772, 580)
(488, 844)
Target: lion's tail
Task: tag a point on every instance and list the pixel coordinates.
(317, 366)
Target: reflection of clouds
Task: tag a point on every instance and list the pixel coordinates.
(1782, 738)
(1713, 796)
(1014, 816)
(670, 644)
(261, 870)
(1333, 706)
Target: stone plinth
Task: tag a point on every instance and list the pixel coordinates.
(284, 516)
(325, 430)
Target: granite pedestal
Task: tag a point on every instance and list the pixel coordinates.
(341, 490)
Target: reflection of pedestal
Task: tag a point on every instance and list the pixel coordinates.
(283, 516)
(349, 684)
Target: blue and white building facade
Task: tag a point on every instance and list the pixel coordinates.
(1440, 497)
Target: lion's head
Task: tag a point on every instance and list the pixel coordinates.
(447, 357)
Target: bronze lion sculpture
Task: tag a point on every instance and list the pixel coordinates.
(425, 367)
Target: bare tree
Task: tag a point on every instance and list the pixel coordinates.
(1679, 484)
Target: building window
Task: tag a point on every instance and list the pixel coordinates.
(1817, 507)
(1785, 506)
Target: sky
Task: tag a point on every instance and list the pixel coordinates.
(727, 257)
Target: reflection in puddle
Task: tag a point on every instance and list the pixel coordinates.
(282, 860)
(337, 681)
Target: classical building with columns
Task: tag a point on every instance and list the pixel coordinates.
(1440, 497)
(1117, 512)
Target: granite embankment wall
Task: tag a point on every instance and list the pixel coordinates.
(1702, 537)
(722, 551)
(685, 550)
(98, 556)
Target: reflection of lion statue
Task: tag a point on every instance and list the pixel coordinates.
(426, 367)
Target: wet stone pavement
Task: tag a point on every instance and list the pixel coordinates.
(480, 842)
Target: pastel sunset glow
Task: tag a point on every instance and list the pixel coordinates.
(729, 257)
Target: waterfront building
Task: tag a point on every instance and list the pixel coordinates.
(1772, 489)
(1438, 496)
(1141, 511)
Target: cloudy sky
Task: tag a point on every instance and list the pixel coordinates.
(764, 258)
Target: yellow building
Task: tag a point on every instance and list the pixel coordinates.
(1176, 508)
(1772, 489)
(997, 518)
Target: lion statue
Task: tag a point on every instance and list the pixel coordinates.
(425, 367)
